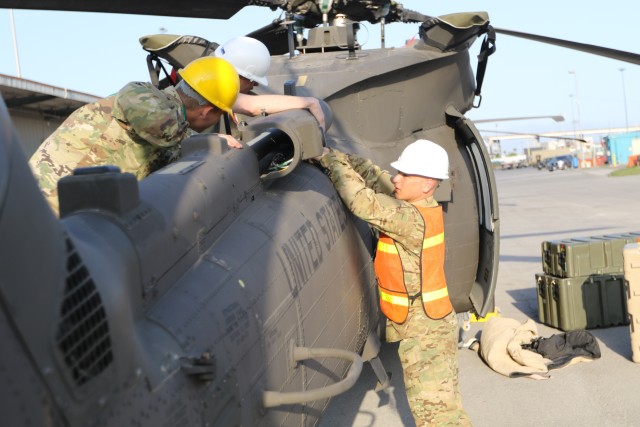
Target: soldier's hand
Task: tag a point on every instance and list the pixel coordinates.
(315, 109)
(325, 151)
(231, 141)
(316, 159)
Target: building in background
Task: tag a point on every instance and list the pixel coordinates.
(623, 148)
(37, 109)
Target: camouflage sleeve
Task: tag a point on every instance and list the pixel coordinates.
(156, 116)
(374, 177)
(398, 219)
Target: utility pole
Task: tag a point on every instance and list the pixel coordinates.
(624, 97)
(15, 43)
(573, 116)
(575, 78)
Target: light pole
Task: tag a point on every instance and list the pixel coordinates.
(575, 78)
(573, 116)
(15, 43)
(624, 97)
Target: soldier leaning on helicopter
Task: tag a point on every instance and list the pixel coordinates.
(136, 127)
(139, 128)
(251, 59)
(409, 265)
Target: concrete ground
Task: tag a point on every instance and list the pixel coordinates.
(534, 206)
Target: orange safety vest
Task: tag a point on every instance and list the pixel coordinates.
(394, 298)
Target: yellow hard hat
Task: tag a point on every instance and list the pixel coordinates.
(215, 79)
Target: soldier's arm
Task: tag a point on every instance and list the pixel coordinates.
(376, 178)
(270, 104)
(385, 213)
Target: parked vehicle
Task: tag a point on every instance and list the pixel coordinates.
(510, 162)
(560, 162)
(542, 164)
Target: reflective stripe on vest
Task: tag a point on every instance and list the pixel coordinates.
(426, 243)
(394, 298)
(435, 295)
(404, 300)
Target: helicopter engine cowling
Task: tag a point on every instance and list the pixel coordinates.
(181, 297)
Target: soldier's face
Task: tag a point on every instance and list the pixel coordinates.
(205, 117)
(246, 85)
(412, 188)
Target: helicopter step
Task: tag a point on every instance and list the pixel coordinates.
(371, 354)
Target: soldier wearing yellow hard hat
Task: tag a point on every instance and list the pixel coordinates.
(137, 128)
(250, 58)
(214, 80)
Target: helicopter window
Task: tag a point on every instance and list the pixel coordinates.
(483, 188)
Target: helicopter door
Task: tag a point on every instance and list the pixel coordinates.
(482, 290)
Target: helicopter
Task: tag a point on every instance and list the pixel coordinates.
(229, 289)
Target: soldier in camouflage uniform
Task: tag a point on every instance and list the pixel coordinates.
(396, 209)
(139, 129)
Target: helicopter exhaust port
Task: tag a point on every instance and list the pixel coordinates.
(274, 149)
(282, 140)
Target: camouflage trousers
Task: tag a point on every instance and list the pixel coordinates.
(430, 365)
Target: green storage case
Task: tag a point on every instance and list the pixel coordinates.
(547, 311)
(586, 255)
(583, 302)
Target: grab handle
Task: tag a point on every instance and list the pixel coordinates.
(272, 399)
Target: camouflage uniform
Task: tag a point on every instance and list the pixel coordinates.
(138, 129)
(428, 348)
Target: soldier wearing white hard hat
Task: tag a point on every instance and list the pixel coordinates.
(409, 265)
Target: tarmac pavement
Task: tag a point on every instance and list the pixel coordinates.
(534, 206)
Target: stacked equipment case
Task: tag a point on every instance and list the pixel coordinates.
(583, 284)
(631, 257)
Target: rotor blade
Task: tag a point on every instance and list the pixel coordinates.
(620, 55)
(532, 134)
(558, 118)
(219, 9)
(399, 13)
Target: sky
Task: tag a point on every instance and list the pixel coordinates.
(98, 53)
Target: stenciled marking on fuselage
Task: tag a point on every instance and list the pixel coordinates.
(332, 218)
(236, 322)
(303, 253)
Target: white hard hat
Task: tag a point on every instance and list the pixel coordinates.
(249, 56)
(424, 158)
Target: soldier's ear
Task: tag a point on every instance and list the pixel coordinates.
(429, 184)
(206, 110)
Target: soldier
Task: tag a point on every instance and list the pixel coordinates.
(139, 128)
(409, 265)
(250, 57)
(136, 128)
